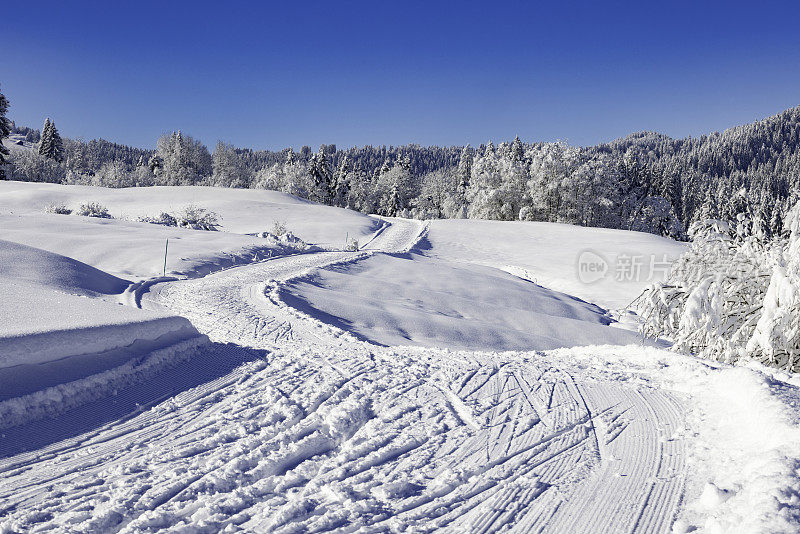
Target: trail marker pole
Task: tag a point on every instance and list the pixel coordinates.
(166, 248)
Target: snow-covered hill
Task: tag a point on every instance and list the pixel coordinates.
(288, 420)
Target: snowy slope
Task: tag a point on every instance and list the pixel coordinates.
(22, 263)
(242, 211)
(400, 300)
(549, 253)
(133, 250)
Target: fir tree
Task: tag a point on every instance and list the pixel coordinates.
(5, 130)
(51, 146)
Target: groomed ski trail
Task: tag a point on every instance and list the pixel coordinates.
(288, 424)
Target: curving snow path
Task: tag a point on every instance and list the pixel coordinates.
(287, 424)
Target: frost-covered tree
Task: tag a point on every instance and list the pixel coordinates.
(229, 169)
(184, 160)
(320, 170)
(30, 166)
(497, 187)
(341, 183)
(114, 174)
(437, 198)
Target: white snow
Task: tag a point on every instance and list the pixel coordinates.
(135, 250)
(242, 211)
(52, 332)
(288, 420)
(549, 254)
(402, 300)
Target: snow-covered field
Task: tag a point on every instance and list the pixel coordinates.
(289, 419)
(134, 250)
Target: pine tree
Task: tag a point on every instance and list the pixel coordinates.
(51, 146)
(5, 130)
(46, 142)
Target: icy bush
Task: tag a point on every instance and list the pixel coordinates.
(286, 239)
(732, 296)
(278, 228)
(58, 209)
(93, 209)
(197, 218)
(164, 219)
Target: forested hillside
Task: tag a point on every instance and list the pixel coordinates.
(646, 181)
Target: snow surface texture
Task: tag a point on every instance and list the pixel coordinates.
(549, 254)
(410, 299)
(290, 424)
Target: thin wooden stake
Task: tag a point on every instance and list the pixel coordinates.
(166, 248)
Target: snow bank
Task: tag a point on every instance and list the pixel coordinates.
(413, 300)
(53, 333)
(549, 254)
(42, 325)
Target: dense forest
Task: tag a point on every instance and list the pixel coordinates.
(646, 181)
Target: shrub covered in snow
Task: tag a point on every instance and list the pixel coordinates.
(164, 219)
(278, 228)
(197, 218)
(93, 209)
(287, 240)
(58, 209)
(732, 296)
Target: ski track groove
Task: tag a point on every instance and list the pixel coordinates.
(322, 432)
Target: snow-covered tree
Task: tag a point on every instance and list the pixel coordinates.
(229, 170)
(321, 176)
(184, 160)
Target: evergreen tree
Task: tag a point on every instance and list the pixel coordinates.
(51, 145)
(5, 130)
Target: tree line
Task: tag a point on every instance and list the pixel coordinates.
(646, 182)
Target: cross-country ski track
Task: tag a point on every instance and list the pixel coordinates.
(287, 424)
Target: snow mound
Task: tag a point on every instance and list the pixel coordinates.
(413, 300)
(29, 264)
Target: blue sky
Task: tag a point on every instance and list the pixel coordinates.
(271, 75)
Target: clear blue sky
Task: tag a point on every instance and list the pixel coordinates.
(352, 73)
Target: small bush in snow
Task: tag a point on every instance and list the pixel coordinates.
(58, 209)
(164, 219)
(93, 209)
(278, 228)
(197, 218)
(287, 239)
